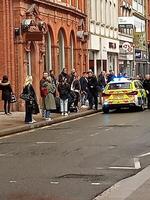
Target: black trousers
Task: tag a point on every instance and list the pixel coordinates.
(93, 99)
(28, 111)
(7, 106)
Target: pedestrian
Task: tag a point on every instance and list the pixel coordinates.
(75, 87)
(43, 90)
(84, 89)
(6, 88)
(92, 90)
(64, 91)
(63, 76)
(110, 76)
(49, 100)
(146, 85)
(101, 84)
(72, 75)
(29, 96)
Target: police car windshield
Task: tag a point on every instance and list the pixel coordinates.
(118, 86)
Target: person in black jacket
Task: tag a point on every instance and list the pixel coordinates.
(92, 90)
(146, 85)
(64, 91)
(31, 106)
(84, 88)
(6, 94)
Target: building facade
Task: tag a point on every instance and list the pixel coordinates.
(140, 37)
(40, 35)
(125, 28)
(103, 42)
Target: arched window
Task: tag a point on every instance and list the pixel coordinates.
(61, 50)
(72, 54)
(48, 54)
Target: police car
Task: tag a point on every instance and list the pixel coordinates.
(121, 93)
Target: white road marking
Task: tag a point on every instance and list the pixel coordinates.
(137, 163)
(143, 155)
(122, 168)
(95, 183)
(95, 134)
(2, 154)
(45, 142)
(55, 183)
(13, 181)
(108, 129)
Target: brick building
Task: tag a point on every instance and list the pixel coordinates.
(38, 35)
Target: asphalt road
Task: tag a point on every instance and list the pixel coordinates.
(75, 160)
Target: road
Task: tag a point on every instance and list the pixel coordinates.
(75, 160)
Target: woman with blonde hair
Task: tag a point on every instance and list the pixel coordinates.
(29, 96)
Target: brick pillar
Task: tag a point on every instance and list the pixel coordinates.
(67, 59)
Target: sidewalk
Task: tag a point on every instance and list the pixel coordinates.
(10, 124)
(136, 187)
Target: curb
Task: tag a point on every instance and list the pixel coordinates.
(40, 124)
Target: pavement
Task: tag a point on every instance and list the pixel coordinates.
(14, 123)
(132, 188)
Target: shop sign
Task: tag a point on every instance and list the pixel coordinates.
(138, 54)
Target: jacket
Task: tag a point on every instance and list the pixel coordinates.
(6, 91)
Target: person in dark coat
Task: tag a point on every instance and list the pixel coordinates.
(110, 76)
(101, 84)
(64, 91)
(75, 87)
(92, 90)
(146, 85)
(43, 90)
(63, 76)
(84, 88)
(6, 94)
(31, 106)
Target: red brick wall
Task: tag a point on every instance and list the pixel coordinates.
(12, 56)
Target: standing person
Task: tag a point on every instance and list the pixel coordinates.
(63, 76)
(84, 88)
(75, 87)
(92, 90)
(110, 76)
(49, 100)
(43, 90)
(146, 85)
(6, 94)
(30, 98)
(72, 75)
(101, 84)
(64, 91)
(53, 80)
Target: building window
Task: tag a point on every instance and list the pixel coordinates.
(61, 50)
(48, 55)
(72, 53)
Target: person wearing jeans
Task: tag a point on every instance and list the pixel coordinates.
(64, 106)
(6, 94)
(64, 90)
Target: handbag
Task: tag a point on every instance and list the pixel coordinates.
(26, 97)
(13, 99)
